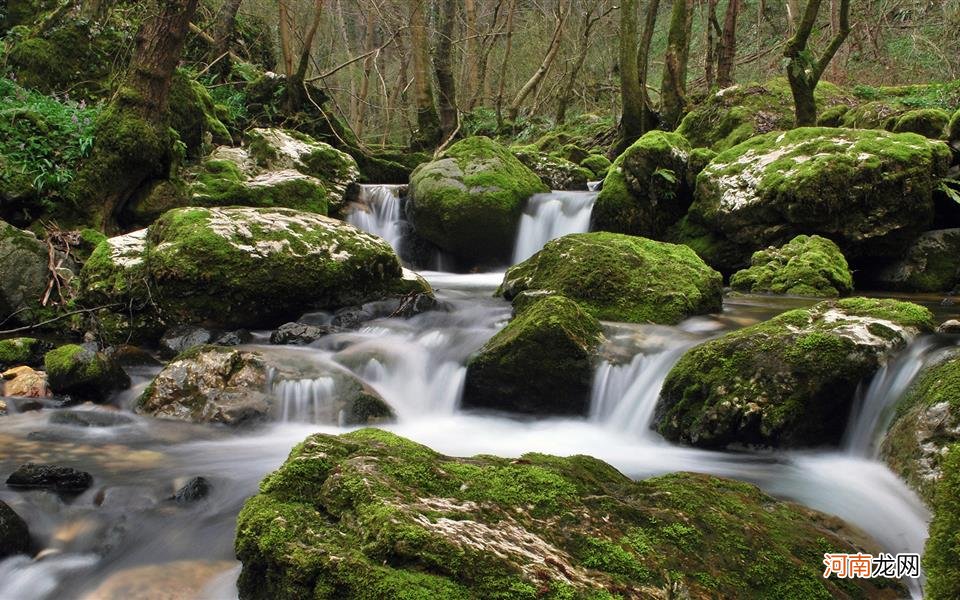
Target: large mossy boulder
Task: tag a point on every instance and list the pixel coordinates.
(926, 425)
(787, 382)
(616, 277)
(236, 386)
(931, 263)
(469, 201)
(928, 122)
(646, 189)
(806, 266)
(241, 267)
(941, 558)
(556, 172)
(23, 274)
(541, 363)
(373, 515)
(738, 113)
(83, 373)
(869, 191)
(15, 352)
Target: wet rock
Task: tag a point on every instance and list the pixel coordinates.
(541, 363)
(929, 264)
(951, 326)
(14, 533)
(237, 337)
(84, 373)
(89, 418)
(24, 382)
(126, 355)
(300, 334)
(409, 518)
(196, 489)
(62, 480)
(354, 317)
(3, 408)
(184, 337)
(23, 273)
(22, 405)
(786, 382)
(15, 352)
(177, 580)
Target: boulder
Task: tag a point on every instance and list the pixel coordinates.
(740, 112)
(928, 122)
(617, 277)
(240, 267)
(869, 191)
(597, 164)
(14, 533)
(24, 382)
(787, 382)
(196, 489)
(372, 515)
(929, 264)
(555, 172)
(469, 201)
(941, 558)
(61, 480)
(541, 363)
(23, 274)
(926, 424)
(83, 372)
(646, 189)
(213, 384)
(300, 334)
(950, 326)
(27, 351)
(806, 266)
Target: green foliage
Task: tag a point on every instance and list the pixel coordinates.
(42, 140)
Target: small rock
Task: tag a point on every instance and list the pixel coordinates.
(24, 382)
(300, 334)
(22, 405)
(233, 338)
(951, 326)
(184, 337)
(83, 372)
(14, 534)
(126, 355)
(89, 418)
(63, 480)
(195, 489)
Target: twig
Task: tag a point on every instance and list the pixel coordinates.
(57, 318)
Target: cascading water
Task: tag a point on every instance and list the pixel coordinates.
(378, 211)
(307, 400)
(549, 216)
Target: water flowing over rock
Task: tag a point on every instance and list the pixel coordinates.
(550, 216)
(62, 480)
(869, 191)
(786, 382)
(378, 211)
(468, 202)
(618, 278)
(373, 514)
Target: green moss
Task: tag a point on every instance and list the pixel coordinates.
(20, 351)
(620, 278)
(806, 266)
(79, 371)
(542, 362)
(833, 116)
(941, 559)
(598, 164)
(785, 382)
(928, 122)
(194, 116)
(469, 201)
(220, 183)
(370, 515)
(555, 172)
(646, 189)
(953, 129)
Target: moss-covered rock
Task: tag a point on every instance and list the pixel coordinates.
(833, 116)
(926, 425)
(228, 386)
(469, 201)
(646, 190)
(618, 277)
(557, 173)
(371, 515)
(929, 264)
(736, 114)
(941, 559)
(786, 382)
(541, 363)
(240, 267)
(21, 351)
(83, 373)
(877, 114)
(806, 266)
(928, 122)
(194, 116)
(597, 164)
(869, 191)
(23, 274)
(166, 194)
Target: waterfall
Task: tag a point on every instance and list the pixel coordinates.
(306, 400)
(624, 396)
(549, 216)
(875, 403)
(377, 211)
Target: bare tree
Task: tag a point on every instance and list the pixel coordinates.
(560, 18)
(804, 69)
(590, 18)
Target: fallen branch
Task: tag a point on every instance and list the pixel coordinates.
(57, 318)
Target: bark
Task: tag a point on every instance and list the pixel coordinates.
(471, 56)
(503, 64)
(286, 37)
(728, 45)
(631, 96)
(295, 94)
(428, 132)
(223, 34)
(804, 69)
(486, 46)
(673, 89)
(370, 43)
(442, 62)
(544, 67)
(713, 35)
(643, 64)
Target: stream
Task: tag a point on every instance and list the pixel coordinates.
(124, 535)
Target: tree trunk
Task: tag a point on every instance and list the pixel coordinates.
(728, 45)
(804, 69)
(503, 65)
(295, 81)
(566, 93)
(222, 35)
(471, 57)
(673, 89)
(482, 83)
(286, 37)
(442, 59)
(370, 43)
(541, 72)
(631, 96)
(643, 65)
(428, 134)
(713, 34)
